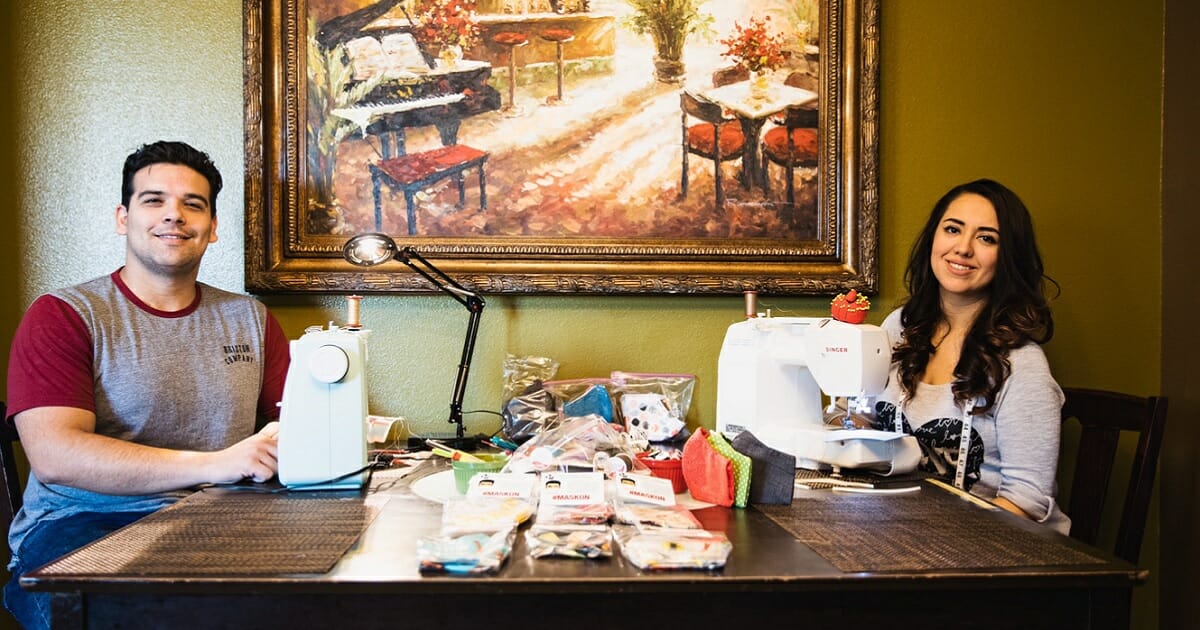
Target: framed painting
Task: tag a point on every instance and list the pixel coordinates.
(564, 146)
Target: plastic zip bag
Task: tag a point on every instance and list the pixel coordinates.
(653, 406)
(569, 542)
(526, 406)
(654, 517)
(675, 549)
(469, 554)
(572, 447)
(466, 515)
(520, 373)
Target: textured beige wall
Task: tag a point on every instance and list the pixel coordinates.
(96, 79)
(1059, 100)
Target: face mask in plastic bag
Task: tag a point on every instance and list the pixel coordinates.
(652, 405)
(581, 397)
(528, 414)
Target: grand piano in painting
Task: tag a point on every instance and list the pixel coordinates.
(431, 93)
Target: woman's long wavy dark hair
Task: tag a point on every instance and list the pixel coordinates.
(1015, 314)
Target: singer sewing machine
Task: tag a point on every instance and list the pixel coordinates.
(770, 376)
(322, 418)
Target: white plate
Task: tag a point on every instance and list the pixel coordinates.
(438, 487)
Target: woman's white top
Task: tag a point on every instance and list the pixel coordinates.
(1013, 450)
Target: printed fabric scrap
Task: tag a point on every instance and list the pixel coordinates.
(742, 467)
(709, 474)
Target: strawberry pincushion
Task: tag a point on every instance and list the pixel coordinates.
(850, 307)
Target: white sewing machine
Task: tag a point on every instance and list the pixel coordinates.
(322, 418)
(770, 376)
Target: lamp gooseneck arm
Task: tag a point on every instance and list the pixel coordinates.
(437, 278)
(474, 304)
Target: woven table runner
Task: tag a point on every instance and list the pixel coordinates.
(928, 530)
(817, 480)
(228, 534)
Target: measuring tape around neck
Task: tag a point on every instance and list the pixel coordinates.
(964, 439)
(964, 446)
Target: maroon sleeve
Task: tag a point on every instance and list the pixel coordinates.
(278, 357)
(50, 361)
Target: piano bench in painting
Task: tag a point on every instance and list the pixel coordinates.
(418, 171)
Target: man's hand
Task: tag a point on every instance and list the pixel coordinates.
(64, 449)
(256, 457)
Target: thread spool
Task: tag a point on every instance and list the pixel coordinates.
(751, 304)
(618, 464)
(613, 465)
(353, 308)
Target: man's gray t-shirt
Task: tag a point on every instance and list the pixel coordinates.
(187, 381)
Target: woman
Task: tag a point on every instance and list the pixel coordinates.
(967, 353)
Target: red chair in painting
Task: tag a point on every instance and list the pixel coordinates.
(792, 144)
(716, 137)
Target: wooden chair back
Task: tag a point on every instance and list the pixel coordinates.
(800, 116)
(703, 110)
(8, 467)
(803, 80)
(1102, 416)
(730, 74)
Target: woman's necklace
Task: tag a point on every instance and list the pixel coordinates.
(941, 333)
(943, 359)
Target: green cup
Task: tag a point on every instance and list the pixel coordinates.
(463, 471)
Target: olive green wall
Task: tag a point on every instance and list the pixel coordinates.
(10, 216)
(10, 219)
(1059, 100)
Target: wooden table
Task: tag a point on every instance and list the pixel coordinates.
(752, 112)
(771, 580)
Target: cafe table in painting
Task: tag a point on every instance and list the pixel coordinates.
(752, 111)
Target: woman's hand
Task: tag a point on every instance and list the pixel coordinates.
(1007, 505)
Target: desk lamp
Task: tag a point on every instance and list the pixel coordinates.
(373, 248)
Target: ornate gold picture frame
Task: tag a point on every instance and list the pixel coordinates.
(565, 148)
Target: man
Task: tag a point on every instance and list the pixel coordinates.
(133, 387)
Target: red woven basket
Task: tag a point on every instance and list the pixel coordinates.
(667, 469)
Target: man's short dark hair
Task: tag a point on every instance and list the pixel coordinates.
(166, 152)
